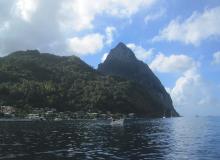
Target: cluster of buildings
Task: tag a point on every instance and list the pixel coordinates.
(51, 114)
(7, 111)
(43, 114)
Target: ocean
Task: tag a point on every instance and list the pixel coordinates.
(169, 138)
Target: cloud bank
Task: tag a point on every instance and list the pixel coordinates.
(173, 63)
(191, 92)
(57, 26)
(193, 30)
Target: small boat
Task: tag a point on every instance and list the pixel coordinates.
(57, 119)
(164, 115)
(117, 122)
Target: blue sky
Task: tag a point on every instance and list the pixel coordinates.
(178, 39)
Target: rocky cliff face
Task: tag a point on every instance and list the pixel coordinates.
(122, 62)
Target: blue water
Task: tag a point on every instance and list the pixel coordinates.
(176, 138)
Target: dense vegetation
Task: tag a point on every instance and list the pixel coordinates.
(32, 79)
(122, 62)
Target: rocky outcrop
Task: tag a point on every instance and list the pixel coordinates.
(122, 62)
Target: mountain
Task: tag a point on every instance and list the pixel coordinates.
(122, 62)
(30, 79)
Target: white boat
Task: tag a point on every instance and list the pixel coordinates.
(164, 115)
(118, 122)
(57, 119)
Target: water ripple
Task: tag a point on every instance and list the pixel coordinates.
(177, 138)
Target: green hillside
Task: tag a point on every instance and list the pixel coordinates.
(33, 79)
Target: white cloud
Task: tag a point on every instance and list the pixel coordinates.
(109, 31)
(35, 31)
(88, 44)
(216, 58)
(140, 52)
(126, 8)
(189, 89)
(193, 30)
(25, 8)
(79, 14)
(154, 16)
(47, 24)
(104, 57)
(173, 63)
(193, 95)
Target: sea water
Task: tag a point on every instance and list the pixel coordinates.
(169, 138)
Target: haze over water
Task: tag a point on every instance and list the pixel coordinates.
(176, 138)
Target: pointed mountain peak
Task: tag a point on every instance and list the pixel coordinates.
(122, 62)
(122, 52)
(121, 45)
(123, 48)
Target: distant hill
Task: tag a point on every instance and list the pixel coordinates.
(122, 62)
(33, 79)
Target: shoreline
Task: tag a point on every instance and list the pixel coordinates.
(65, 120)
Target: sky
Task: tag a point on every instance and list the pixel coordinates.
(178, 39)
